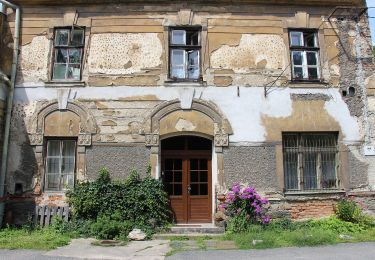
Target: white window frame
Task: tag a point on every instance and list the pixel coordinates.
(304, 50)
(60, 158)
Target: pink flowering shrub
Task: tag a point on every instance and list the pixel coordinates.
(245, 207)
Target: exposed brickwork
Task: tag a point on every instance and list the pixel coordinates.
(312, 209)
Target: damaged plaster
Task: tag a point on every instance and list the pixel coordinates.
(34, 56)
(253, 51)
(115, 53)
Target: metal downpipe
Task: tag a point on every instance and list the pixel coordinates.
(4, 162)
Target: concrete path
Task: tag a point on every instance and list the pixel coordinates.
(83, 249)
(355, 251)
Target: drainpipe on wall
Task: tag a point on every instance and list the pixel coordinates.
(4, 162)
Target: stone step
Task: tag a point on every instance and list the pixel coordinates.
(199, 229)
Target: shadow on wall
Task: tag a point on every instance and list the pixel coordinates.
(21, 184)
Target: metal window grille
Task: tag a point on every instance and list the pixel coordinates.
(310, 161)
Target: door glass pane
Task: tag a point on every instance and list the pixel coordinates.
(178, 37)
(169, 189)
(203, 176)
(177, 164)
(59, 71)
(168, 164)
(194, 164)
(194, 176)
(168, 176)
(62, 37)
(178, 176)
(203, 164)
(194, 189)
(177, 189)
(203, 189)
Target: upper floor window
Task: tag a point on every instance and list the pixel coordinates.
(60, 164)
(184, 53)
(68, 52)
(304, 49)
(310, 161)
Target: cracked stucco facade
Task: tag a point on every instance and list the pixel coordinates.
(125, 102)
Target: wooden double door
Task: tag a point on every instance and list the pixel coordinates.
(187, 180)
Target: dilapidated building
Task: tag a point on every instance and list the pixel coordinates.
(278, 94)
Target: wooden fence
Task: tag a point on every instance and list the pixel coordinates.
(43, 214)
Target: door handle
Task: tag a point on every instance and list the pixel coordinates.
(189, 189)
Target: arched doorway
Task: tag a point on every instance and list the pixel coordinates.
(187, 176)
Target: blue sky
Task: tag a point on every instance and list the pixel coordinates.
(371, 3)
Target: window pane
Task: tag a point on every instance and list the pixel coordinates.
(67, 181)
(74, 71)
(53, 148)
(59, 71)
(193, 64)
(178, 64)
(297, 57)
(192, 37)
(61, 56)
(311, 58)
(75, 56)
(291, 169)
(296, 39)
(77, 36)
(53, 165)
(309, 170)
(328, 170)
(68, 148)
(67, 165)
(178, 37)
(52, 181)
(298, 73)
(313, 73)
(62, 37)
(310, 40)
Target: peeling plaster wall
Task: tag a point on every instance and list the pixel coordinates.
(33, 64)
(254, 51)
(114, 53)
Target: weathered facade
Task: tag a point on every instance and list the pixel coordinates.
(284, 93)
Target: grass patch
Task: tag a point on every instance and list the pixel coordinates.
(311, 233)
(42, 239)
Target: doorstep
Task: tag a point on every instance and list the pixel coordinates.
(196, 229)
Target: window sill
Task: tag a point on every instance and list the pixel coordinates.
(187, 83)
(307, 84)
(54, 84)
(315, 192)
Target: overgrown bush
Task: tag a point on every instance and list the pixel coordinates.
(115, 207)
(348, 210)
(336, 225)
(245, 207)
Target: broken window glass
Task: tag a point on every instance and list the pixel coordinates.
(68, 54)
(185, 54)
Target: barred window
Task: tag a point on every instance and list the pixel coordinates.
(60, 164)
(184, 53)
(310, 161)
(68, 52)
